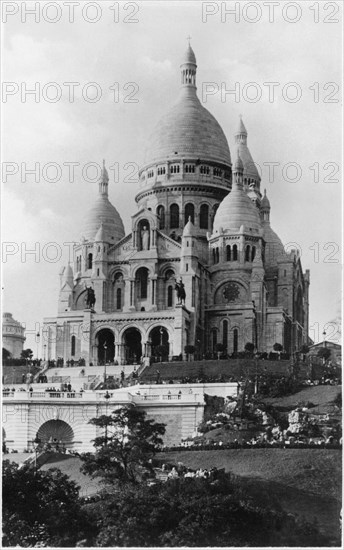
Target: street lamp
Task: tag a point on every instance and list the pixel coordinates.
(105, 348)
(324, 341)
(37, 340)
(106, 397)
(45, 348)
(36, 443)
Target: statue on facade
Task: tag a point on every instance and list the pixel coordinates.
(180, 289)
(90, 298)
(145, 238)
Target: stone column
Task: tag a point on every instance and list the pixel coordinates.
(132, 294)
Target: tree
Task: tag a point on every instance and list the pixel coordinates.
(5, 354)
(196, 513)
(304, 349)
(249, 347)
(324, 353)
(189, 350)
(26, 353)
(278, 347)
(41, 508)
(219, 349)
(161, 351)
(123, 452)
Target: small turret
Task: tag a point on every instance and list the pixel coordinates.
(238, 171)
(241, 133)
(104, 181)
(66, 292)
(265, 208)
(189, 247)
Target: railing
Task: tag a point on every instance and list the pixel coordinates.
(100, 397)
(185, 398)
(42, 395)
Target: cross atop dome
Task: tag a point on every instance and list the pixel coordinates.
(188, 38)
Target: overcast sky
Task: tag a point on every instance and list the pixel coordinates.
(296, 123)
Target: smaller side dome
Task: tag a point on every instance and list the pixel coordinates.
(100, 235)
(189, 229)
(274, 248)
(103, 212)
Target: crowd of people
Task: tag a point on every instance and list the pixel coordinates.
(290, 442)
(181, 471)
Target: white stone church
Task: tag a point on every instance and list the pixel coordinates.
(201, 220)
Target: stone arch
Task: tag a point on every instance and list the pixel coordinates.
(189, 212)
(204, 216)
(141, 284)
(234, 341)
(56, 431)
(104, 341)
(131, 340)
(159, 335)
(144, 234)
(160, 212)
(117, 290)
(174, 216)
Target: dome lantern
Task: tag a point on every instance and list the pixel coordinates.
(188, 130)
(188, 68)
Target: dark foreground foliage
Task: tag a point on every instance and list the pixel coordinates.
(194, 512)
(41, 508)
(44, 509)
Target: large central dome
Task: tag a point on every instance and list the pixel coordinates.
(188, 130)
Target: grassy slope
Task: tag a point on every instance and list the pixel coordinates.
(306, 482)
(319, 395)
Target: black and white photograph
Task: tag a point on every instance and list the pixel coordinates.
(171, 245)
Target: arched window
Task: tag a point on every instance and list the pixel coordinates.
(253, 253)
(235, 340)
(217, 255)
(214, 339)
(174, 216)
(72, 346)
(89, 261)
(247, 253)
(204, 216)
(235, 253)
(189, 213)
(225, 334)
(142, 283)
(161, 215)
(119, 298)
(228, 252)
(170, 296)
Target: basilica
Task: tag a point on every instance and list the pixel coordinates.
(201, 266)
